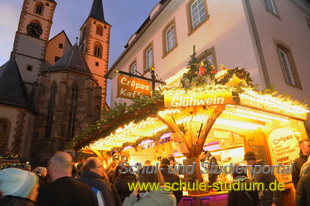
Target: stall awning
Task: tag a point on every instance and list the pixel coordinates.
(248, 111)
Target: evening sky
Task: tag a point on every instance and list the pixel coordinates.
(125, 16)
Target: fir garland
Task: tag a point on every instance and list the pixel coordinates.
(118, 110)
(244, 76)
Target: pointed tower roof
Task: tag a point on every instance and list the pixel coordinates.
(12, 88)
(96, 11)
(72, 60)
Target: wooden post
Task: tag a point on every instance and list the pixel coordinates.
(206, 129)
(192, 151)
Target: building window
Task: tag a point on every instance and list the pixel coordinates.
(99, 30)
(269, 5)
(133, 68)
(288, 66)
(148, 58)
(170, 40)
(210, 58)
(209, 55)
(73, 109)
(97, 64)
(29, 68)
(98, 50)
(60, 46)
(39, 8)
(198, 14)
(56, 58)
(50, 111)
(4, 134)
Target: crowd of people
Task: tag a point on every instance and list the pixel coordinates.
(90, 184)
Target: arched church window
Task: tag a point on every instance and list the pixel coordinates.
(50, 111)
(99, 30)
(98, 50)
(72, 111)
(4, 135)
(39, 8)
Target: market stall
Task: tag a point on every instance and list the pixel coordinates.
(216, 111)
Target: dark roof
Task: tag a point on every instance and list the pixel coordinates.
(12, 88)
(72, 60)
(96, 11)
(63, 31)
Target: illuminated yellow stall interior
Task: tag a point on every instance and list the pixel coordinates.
(257, 123)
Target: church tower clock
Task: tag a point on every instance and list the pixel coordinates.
(31, 38)
(94, 44)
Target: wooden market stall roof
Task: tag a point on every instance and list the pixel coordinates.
(226, 97)
(247, 110)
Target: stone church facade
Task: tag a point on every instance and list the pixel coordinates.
(50, 89)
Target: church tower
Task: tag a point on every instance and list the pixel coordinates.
(94, 44)
(32, 37)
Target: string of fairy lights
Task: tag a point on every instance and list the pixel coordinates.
(251, 119)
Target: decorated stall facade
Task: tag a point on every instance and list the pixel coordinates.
(217, 111)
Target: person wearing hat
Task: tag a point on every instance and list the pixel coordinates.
(18, 187)
(170, 176)
(27, 167)
(266, 198)
(41, 172)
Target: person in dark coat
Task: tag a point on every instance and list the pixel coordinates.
(304, 146)
(111, 170)
(303, 190)
(18, 187)
(207, 157)
(64, 190)
(266, 197)
(121, 183)
(92, 174)
(16, 201)
(116, 174)
(242, 198)
(171, 178)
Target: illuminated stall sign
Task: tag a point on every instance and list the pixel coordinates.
(284, 146)
(178, 99)
(132, 88)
